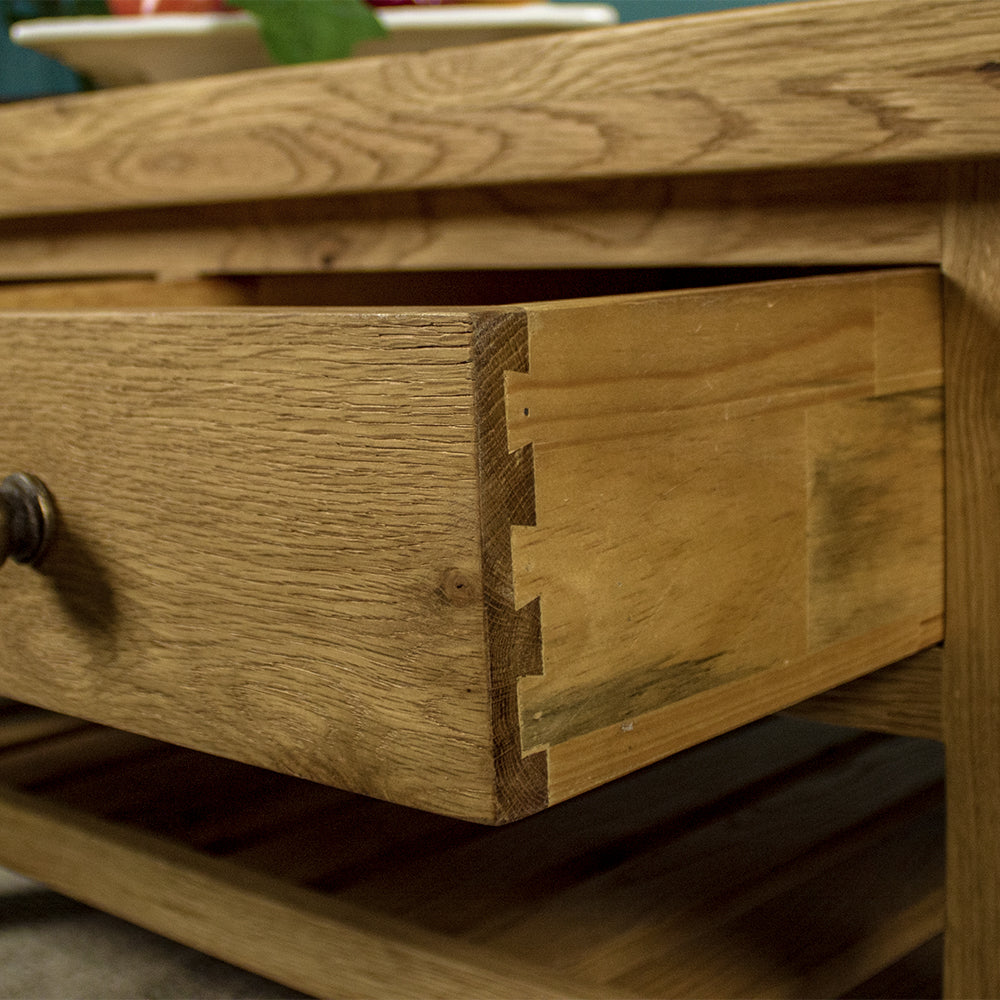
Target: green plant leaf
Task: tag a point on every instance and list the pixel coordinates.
(297, 31)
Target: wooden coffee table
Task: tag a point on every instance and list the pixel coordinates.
(334, 501)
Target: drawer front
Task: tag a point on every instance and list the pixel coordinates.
(269, 540)
(476, 562)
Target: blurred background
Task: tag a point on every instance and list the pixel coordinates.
(25, 74)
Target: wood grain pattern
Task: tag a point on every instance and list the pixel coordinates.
(647, 885)
(784, 860)
(703, 930)
(689, 452)
(270, 543)
(506, 498)
(861, 215)
(128, 293)
(876, 546)
(972, 646)
(586, 761)
(903, 698)
(693, 454)
(309, 942)
(885, 81)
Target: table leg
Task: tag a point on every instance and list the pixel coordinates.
(971, 696)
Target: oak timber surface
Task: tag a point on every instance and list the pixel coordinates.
(285, 532)
(971, 695)
(784, 860)
(269, 544)
(833, 82)
(903, 698)
(884, 214)
(264, 924)
(738, 496)
(128, 293)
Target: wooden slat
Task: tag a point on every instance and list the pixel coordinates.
(670, 914)
(787, 859)
(915, 977)
(122, 294)
(69, 752)
(886, 882)
(903, 698)
(21, 724)
(676, 917)
(852, 216)
(209, 802)
(465, 885)
(972, 647)
(835, 82)
(307, 941)
(721, 457)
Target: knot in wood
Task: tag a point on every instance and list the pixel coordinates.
(460, 588)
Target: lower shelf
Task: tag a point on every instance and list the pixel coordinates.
(788, 859)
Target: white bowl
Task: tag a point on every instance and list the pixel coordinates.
(118, 51)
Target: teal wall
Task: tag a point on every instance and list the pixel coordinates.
(640, 10)
(26, 74)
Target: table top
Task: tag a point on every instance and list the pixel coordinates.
(827, 83)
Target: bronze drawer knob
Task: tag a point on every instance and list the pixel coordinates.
(27, 518)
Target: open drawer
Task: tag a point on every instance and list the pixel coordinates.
(475, 561)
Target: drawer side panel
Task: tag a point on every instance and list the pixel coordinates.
(739, 504)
